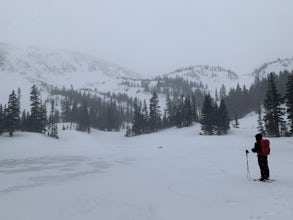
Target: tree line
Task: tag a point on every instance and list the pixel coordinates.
(83, 109)
(277, 108)
(35, 120)
(108, 113)
(215, 115)
(214, 118)
(180, 112)
(241, 101)
(111, 112)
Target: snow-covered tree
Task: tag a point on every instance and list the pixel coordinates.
(37, 122)
(273, 111)
(145, 118)
(289, 101)
(52, 122)
(260, 126)
(155, 115)
(223, 121)
(83, 119)
(137, 123)
(187, 112)
(2, 117)
(13, 114)
(207, 115)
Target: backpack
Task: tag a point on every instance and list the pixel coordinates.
(265, 147)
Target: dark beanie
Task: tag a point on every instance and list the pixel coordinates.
(258, 136)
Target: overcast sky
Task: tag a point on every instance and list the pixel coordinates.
(156, 36)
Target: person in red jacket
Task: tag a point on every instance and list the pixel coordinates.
(261, 147)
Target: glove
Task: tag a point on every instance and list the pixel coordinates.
(253, 150)
(247, 151)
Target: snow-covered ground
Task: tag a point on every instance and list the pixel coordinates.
(174, 174)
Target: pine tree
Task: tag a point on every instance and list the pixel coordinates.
(111, 116)
(289, 101)
(2, 120)
(194, 109)
(83, 120)
(12, 117)
(222, 119)
(179, 117)
(18, 105)
(114, 116)
(137, 118)
(65, 110)
(44, 120)
(36, 122)
(145, 118)
(168, 112)
(24, 121)
(216, 96)
(174, 116)
(207, 116)
(155, 115)
(52, 122)
(273, 111)
(223, 92)
(260, 127)
(215, 118)
(74, 112)
(6, 112)
(187, 112)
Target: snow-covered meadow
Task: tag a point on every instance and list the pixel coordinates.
(173, 174)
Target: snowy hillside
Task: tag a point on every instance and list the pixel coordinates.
(21, 67)
(274, 66)
(44, 64)
(59, 68)
(212, 77)
(170, 175)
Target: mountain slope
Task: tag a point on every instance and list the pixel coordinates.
(205, 71)
(23, 66)
(59, 67)
(211, 77)
(274, 66)
(20, 67)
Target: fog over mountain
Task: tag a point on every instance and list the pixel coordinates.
(156, 36)
(20, 67)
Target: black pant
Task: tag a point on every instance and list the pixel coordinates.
(264, 168)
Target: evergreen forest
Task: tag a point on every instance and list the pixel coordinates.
(271, 98)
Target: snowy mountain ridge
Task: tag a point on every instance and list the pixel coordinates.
(211, 77)
(48, 65)
(23, 66)
(42, 63)
(274, 66)
(204, 71)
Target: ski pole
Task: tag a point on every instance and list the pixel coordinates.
(247, 165)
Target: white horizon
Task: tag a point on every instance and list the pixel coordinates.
(156, 37)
